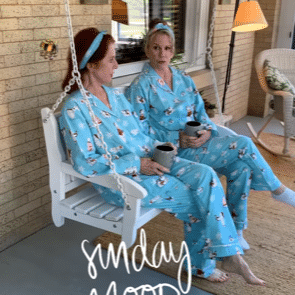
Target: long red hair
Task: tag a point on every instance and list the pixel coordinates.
(82, 41)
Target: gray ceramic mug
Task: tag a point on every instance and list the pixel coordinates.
(164, 155)
(192, 128)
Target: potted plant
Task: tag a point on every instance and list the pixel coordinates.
(176, 59)
(210, 108)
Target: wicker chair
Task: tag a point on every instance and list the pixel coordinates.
(284, 109)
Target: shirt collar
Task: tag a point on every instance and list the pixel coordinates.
(102, 106)
(149, 71)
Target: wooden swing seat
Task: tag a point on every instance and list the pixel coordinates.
(74, 198)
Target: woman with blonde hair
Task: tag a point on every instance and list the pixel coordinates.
(166, 99)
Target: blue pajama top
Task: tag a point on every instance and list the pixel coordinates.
(162, 111)
(84, 145)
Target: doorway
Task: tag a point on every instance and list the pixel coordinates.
(286, 32)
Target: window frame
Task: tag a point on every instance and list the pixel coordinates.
(197, 17)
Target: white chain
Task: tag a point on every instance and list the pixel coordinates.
(211, 66)
(76, 76)
(210, 62)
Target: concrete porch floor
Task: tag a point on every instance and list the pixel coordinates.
(51, 261)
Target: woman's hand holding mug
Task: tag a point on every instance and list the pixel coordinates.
(193, 135)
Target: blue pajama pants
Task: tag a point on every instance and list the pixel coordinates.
(237, 158)
(193, 193)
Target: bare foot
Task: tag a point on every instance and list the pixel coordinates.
(236, 264)
(217, 276)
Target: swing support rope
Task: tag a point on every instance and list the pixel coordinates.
(76, 77)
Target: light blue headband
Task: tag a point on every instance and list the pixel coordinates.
(93, 47)
(161, 26)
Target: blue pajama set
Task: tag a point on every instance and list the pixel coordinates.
(191, 191)
(163, 112)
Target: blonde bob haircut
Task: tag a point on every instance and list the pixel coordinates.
(153, 31)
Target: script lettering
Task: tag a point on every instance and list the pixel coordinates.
(142, 247)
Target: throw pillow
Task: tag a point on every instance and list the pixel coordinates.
(277, 81)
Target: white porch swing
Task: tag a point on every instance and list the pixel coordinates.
(86, 206)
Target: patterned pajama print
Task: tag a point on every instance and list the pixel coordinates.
(192, 192)
(164, 112)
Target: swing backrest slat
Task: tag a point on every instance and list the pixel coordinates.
(56, 149)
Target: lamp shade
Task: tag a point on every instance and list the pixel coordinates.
(120, 12)
(249, 17)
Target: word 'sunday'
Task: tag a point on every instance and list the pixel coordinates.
(142, 248)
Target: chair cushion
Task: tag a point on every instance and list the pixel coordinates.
(277, 81)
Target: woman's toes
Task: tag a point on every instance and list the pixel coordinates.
(218, 276)
(236, 264)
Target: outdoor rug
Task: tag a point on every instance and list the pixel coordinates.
(271, 235)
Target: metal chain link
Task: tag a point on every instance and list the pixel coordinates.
(210, 61)
(76, 77)
(208, 52)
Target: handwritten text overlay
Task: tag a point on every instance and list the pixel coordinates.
(142, 248)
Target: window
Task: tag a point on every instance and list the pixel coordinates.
(173, 12)
(188, 19)
(129, 38)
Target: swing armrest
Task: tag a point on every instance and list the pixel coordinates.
(224, 131)
(130, 187)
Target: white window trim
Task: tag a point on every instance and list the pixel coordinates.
(197, 26)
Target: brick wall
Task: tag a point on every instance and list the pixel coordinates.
(28, 82)
(236, 102)
(265, 39)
